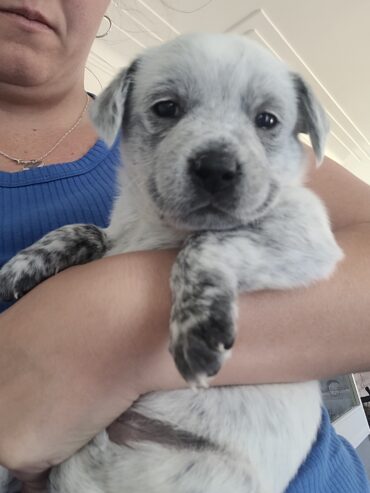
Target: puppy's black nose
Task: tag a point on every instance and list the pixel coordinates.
(214, 170)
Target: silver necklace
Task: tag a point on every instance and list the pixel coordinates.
(39, 162)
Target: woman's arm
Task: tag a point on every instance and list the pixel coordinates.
(347, 198)
(79, 348)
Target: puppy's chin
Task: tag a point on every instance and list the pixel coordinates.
(207, 218)
(217, 217)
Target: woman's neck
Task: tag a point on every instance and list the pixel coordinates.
(31, 122)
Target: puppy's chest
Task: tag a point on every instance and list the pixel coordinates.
(140, 235)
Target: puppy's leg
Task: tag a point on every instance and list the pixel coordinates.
(291, 247)
(59, 249)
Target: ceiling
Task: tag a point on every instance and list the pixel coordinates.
(326, 41)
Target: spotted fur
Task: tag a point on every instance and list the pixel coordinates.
(231, 195)
(70, 245)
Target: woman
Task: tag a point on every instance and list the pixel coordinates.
(81, 347)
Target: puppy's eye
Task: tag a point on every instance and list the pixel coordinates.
(266, 120)
(166, 109)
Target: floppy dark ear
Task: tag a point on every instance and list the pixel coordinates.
(108, 109)
(312, 119)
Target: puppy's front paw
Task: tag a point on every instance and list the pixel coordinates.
(19, 276)
(202, 334)
(70, 245)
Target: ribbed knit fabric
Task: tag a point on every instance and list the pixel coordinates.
(332, 466)
(37, 201)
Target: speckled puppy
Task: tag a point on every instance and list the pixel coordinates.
(212, 164)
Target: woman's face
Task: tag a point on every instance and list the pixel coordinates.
(43, 40)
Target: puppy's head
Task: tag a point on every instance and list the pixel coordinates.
(210, 128)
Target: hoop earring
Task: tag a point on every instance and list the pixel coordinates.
(107, 18)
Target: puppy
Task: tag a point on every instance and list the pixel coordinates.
(212, 164)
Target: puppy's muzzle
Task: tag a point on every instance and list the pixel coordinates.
(214, 170)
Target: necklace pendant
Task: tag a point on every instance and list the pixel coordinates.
(30, 163)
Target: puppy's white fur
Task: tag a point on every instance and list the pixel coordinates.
(271, 234)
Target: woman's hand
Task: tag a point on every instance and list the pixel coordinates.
(74, 352)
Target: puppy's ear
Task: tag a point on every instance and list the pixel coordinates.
(108, 109)
(312, 119)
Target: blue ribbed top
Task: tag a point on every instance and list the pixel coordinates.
(37, 201)
(332, 466)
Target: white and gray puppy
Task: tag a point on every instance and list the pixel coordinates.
(211, 163)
